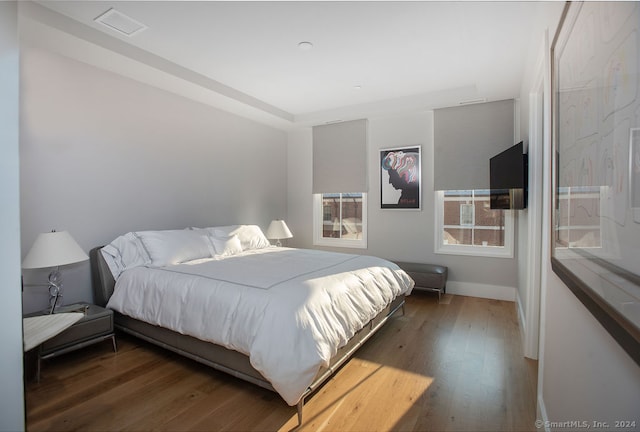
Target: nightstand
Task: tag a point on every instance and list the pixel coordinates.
(95, 326)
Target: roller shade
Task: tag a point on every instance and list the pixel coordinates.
(465, 138)
(340, 157)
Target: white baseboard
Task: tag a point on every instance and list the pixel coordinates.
(471, 289)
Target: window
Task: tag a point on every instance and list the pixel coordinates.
(340, 219)
(466, 225)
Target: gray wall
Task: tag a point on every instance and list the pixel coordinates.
(101, 155)
(11, 390)
(585, 375)
(396, 234)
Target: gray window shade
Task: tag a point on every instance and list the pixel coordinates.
(465, 138)
(340, 157)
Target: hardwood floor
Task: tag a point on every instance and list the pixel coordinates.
(441, 367)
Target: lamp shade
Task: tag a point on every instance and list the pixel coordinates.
(278, 230)
(53, 249)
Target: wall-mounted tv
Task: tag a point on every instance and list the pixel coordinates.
(508, 173)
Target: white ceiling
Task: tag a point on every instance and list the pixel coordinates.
(402, 55)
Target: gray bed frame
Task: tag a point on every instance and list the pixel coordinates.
(216, 356)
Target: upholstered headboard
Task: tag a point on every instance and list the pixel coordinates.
(101, 278)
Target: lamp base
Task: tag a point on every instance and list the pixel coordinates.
(55, 289)
(53, 301)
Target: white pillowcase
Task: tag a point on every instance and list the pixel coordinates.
(175, 246)
(125, 252)
(250, 236)
(161, 248)
(226, 246)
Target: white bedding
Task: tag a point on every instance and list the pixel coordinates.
(289, 310)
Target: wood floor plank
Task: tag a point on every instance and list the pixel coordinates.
(110, 406)
(440, 367)
(74, 397)
(182, 401)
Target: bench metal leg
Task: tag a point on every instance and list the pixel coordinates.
(300, 405)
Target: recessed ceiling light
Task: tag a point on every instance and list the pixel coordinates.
(305, 46)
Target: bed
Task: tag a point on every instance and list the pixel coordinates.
(219, 295)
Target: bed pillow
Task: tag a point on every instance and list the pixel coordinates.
(226, 245)
(175, 246)
(125, 252)
(250, 236)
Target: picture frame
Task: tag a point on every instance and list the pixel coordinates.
(400, 178)
(595, 229)
(634, 172)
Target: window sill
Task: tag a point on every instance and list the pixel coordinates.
(354, 244)
(479, 251)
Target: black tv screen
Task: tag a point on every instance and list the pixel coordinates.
(508, 179)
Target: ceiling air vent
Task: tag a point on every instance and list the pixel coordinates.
(121, 23)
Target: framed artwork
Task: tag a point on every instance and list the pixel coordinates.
(400, 178)
(634, 172)
(595, 230)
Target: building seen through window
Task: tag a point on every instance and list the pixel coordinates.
(468, 220)
(342, 215)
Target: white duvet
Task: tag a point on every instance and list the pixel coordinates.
(289, 310)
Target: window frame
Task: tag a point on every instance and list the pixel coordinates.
(318, 220)
(505, 251)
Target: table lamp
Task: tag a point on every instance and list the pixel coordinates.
(278, 230)
(54, 249)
